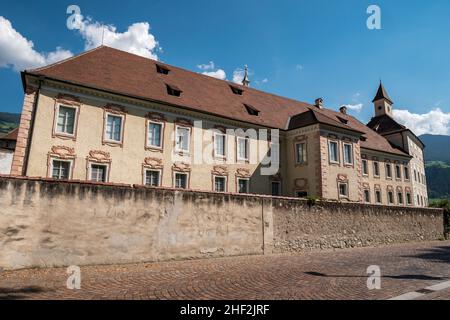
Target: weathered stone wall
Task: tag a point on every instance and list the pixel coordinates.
(49, 223)
(327, 225)
(45, 223)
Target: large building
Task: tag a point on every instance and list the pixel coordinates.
(110, 116)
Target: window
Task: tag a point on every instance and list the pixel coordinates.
(153, 178)
(398, 172)
(237, 90)
(113, 128)
(367, 196)
(300, 153)
(408, 198)
(343, 189)
(378, 196)
(66, 120)
(301, 194)
(388, 171)
(276, 188)
(365, 168)
(162, 70)
(333, 151)
(220, 184)
(376, 168)
(243, 185)
(348, 153)
(406, 171)
(418, 200)
(173, 91)
(390, 197)
(61, 169)
(400, 198)
(242, 145)
(181, 180)
(182, 139)
(220, 145)
(251, 111)
(99, 173)
(415, 175)
(155, 134)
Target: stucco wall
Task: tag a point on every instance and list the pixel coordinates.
(50, 223)
(6, 158)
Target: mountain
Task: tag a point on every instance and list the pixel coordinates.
(8, 121)
(437, 158)
(437, 148)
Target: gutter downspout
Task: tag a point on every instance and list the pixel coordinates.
(33, 118)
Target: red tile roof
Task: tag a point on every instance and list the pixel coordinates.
(12, 135)
(120, 72)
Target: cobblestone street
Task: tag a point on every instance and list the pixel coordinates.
(319, 275)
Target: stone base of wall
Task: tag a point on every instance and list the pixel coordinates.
(45, 223)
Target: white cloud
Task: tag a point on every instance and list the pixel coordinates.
(265, 80)
(218, 74)
(18, 52)
(209, 69)
(355, 107)
(238, 75)
(137, 39)
(434, 122)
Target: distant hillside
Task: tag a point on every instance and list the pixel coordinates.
(437, 148)
(437, 157)
(8, 121)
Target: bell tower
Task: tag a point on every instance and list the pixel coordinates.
(382, 102)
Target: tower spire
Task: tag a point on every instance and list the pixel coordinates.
(246, 80)
(382, 102)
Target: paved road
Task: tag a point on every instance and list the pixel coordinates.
(319, 275)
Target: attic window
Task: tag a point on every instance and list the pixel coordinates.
(344, 121)
(251, 111)
(161, 69)
(237, 90)
(362, 138)
(173, 90)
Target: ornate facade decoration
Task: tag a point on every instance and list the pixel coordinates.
(153, 163)
(62, 152)
(99, 156)
(243, 173)
(181, 167)
(220, 171)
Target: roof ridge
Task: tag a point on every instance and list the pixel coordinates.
(65, 60)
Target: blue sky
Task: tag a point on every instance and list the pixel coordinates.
(298, 49)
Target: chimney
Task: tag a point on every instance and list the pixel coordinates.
(319, 103)
(343, 109)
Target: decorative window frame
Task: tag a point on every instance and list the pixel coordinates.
(297, 141)
(118, 111)
(366, 161)
(222, 172)
(348, 164)
(152, 164)
(342, 179)
(377, 188)
(183, 168)
(242, 174)
(386, 165)
(186, 124)
(398, 164)
(333, 162)
(406, 169)
(399, 190)
(158, 118)
(376, 161)
(367, 189)
(68, 101)
(390, 189)
(98, 157)
(61, 153)
(238, 158)
(222, 132)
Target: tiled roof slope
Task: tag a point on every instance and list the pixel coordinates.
(124, 73)
(12, 135)
(384, 123)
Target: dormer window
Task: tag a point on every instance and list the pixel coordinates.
(173, 90)
(251, 111)
(162, 70)
(237, 90)
(344, 121)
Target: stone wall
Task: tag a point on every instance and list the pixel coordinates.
(327, 225)
(49, 223)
